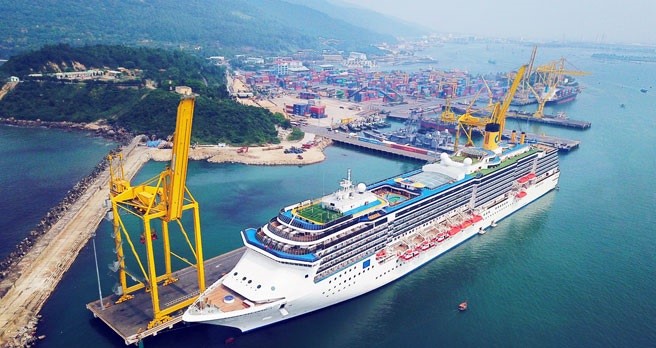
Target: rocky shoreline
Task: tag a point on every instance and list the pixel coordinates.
(26, 337)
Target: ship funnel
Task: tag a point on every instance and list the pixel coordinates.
(513, 137)
(491, 136)
(522, 138)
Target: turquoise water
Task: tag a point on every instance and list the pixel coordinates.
(576, 268)
(37, 168)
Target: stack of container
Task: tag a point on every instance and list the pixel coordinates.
(300, 109)
(318, 111)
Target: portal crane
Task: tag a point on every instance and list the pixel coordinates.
(164, 198)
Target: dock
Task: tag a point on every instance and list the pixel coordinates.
(401, 114)
(562, 144)
(130, 319)
(344, 138)
(549, 120)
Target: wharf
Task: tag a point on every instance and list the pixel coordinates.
(562, 144)
(344, 138)
(130, 319)
(549, 119)
(402, 113)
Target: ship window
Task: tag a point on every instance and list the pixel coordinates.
(259, 286)
(250, 281)
(306, 276)
(234, 274)
(273, 288)
(243, 278)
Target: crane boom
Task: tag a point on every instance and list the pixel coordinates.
(177, 175)
(499, 115)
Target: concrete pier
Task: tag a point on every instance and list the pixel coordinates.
(130, 319)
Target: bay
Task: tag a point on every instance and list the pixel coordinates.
(575, 268)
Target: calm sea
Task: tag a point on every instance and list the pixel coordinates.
(576, 268)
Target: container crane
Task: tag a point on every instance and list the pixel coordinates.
(164, 198)
(468, 122)
(551, 75)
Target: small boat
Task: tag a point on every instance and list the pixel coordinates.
(643, 90)
(463, 306)
(481, 231)
(493, 224)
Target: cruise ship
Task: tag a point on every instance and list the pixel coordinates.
(323, 251)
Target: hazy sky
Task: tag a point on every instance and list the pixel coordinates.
(628, 21)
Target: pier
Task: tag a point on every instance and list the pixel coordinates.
(562, 144)
(402, 113)
(130, 319)
(345, 138)
(549, 119)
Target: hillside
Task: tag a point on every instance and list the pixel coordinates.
(365, 18)
(211, 25)
(138, 99)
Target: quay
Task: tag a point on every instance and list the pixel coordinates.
(345, 138)
(130, 319)
(549, 119)
(562, 144)
(402, 114)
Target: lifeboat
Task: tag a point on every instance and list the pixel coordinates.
(454, 230)
(425, 246)
(476, 218)
(381, 254)
(408, 255)
(521, 194)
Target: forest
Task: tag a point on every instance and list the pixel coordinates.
(212, 26)
(137, 108)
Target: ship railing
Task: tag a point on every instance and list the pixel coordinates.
(312, 235)
(270, 243)
(324, 274)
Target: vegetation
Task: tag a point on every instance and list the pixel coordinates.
(202, 25)
(131, 105)
(296, 134)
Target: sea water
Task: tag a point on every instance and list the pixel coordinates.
(575, 268)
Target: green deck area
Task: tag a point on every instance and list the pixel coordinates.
(318, 214)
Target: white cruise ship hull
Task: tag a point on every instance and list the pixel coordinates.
(355, 280)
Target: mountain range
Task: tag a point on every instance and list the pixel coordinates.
(213, 26)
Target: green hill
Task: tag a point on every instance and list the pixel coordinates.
(210, 25)
(141, 103)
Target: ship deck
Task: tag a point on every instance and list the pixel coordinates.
(130, 319)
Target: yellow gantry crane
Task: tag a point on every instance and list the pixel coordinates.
(550, 76)
(498, 115)
(164, 198)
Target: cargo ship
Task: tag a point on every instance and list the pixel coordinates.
(323, 251)
(564, 94)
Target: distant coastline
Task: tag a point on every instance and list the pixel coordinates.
(637, 59)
